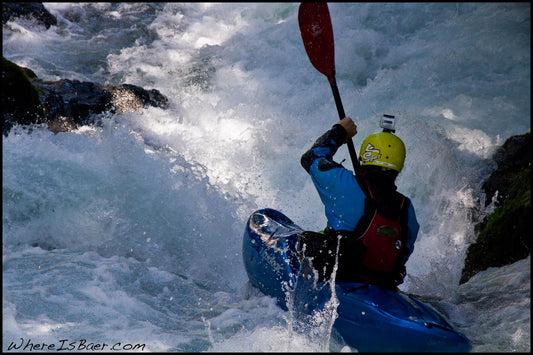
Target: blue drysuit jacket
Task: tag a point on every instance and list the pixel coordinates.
(339, 190)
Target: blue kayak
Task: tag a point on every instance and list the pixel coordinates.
(370, 318)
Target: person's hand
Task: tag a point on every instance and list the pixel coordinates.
(349, 126)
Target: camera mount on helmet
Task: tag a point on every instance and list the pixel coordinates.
(388, 123)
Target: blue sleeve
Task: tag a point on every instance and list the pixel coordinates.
(337, 187)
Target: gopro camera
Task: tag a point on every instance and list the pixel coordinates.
(388, 123)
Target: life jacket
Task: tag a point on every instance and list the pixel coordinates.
(384, 243)
(373, 251)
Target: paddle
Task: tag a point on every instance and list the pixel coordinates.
(317, 35)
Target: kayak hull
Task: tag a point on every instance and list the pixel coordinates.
(370, 318)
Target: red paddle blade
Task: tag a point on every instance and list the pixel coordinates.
(317, 35)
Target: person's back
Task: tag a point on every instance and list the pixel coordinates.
(376, 225)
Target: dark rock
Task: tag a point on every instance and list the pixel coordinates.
(66, 104)
(20, 99)
(72, 101)
(34, 10)
(127, 97)
(511, 158)
(504, 236)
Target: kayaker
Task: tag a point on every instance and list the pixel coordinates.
(376, 225)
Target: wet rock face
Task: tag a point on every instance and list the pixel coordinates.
(79, 103)
(66, 104)
(127, 97)
(505, 237)
(34, 10)
(73, 99)
(513, 156)
(20, 99)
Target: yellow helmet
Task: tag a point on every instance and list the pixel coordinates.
(383, 149)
